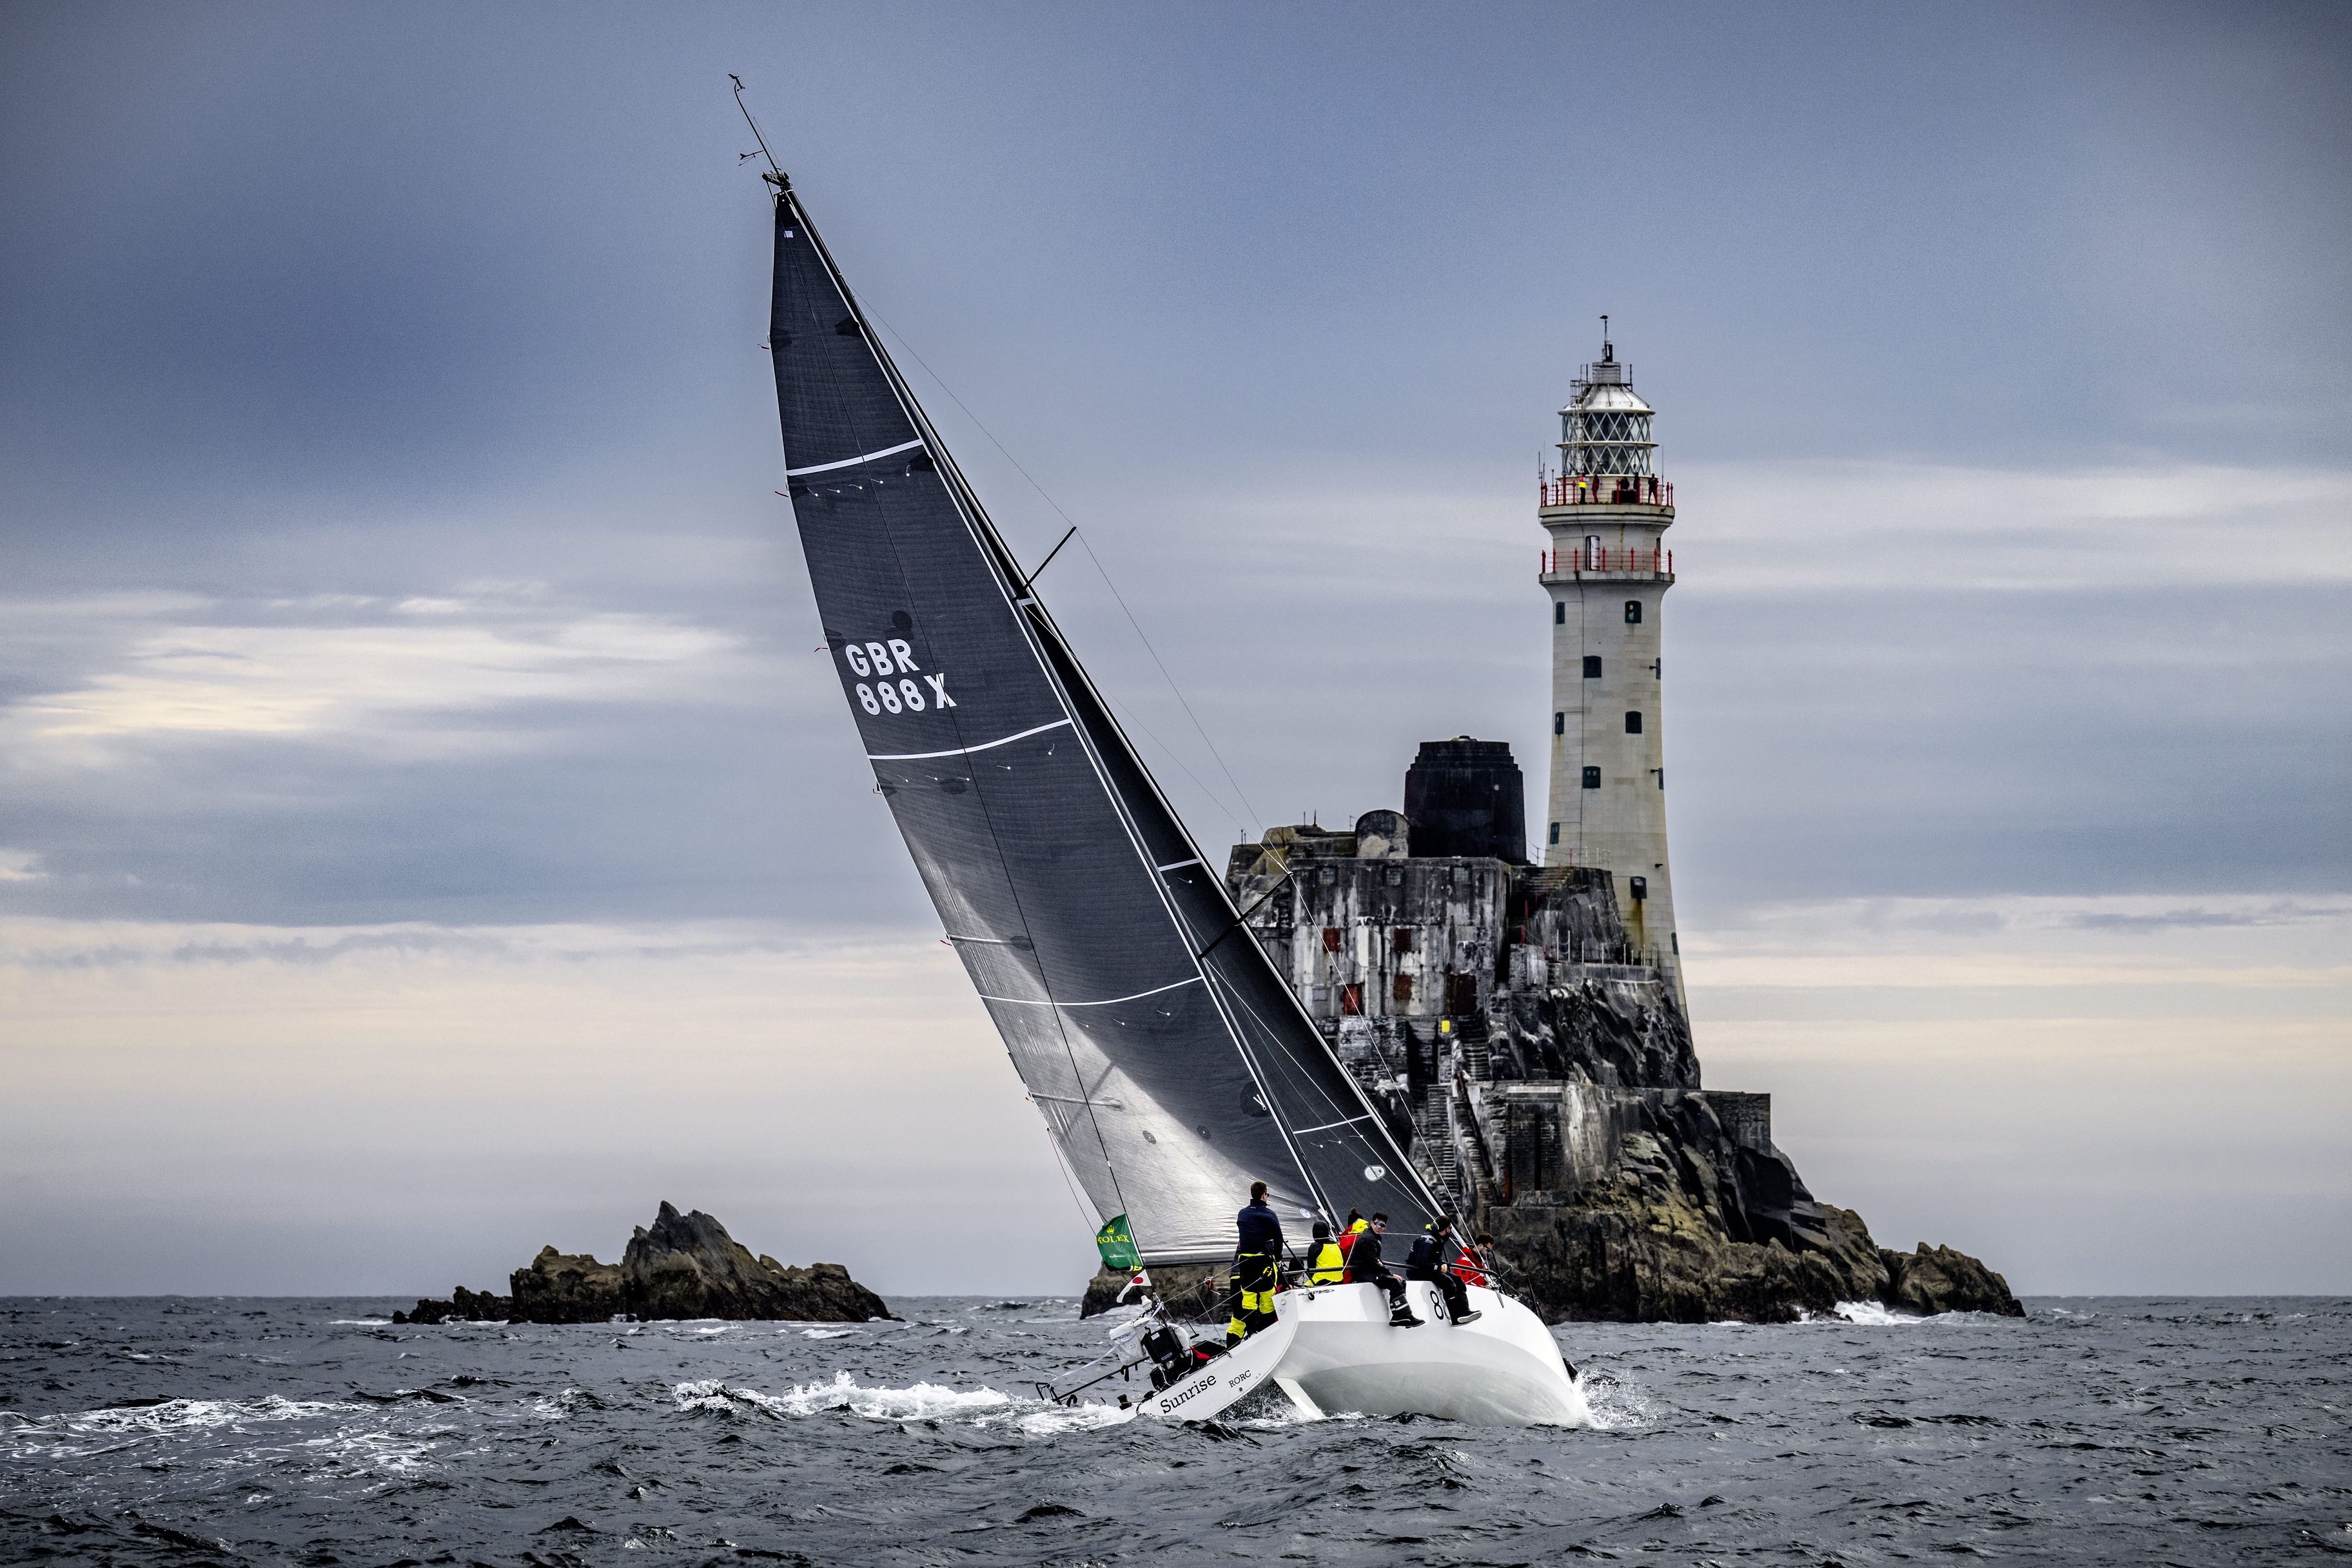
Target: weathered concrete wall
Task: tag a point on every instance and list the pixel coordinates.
(1408, 939)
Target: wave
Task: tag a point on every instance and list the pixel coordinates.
(1872, 1314)
(28, 1435)
(980, 1406)
(1607, 1405)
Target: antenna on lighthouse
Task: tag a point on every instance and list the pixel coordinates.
(1607, 353)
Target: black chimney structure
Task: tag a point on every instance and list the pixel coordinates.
(1466, 797)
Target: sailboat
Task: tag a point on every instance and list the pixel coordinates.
(1172, 1063)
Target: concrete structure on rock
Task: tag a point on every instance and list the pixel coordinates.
(1494, 1010)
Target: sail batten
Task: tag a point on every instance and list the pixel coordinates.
(1170, 1071)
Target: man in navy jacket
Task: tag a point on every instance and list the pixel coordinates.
(1257, 1260)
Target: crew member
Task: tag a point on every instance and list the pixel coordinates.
(1470, 1268)
(1326, 1264)
(1256, 1258)
(1428, 1261)
(1364, 1267)
(1352, 1229)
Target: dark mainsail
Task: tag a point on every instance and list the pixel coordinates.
(1172, 1065)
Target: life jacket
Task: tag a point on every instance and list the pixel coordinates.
(1328, 1265)
(1466, 1268)
(1347, 1237)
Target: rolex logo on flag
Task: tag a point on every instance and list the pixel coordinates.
(1116, 1247)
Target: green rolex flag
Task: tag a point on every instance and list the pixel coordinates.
(1116, 1247)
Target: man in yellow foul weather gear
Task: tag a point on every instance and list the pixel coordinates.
(1255, 1262)
(1326, 1264)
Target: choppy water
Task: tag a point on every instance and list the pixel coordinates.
(2099, 1431)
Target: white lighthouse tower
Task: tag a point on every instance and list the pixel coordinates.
(1607, 571)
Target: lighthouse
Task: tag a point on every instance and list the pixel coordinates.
(1606, 570)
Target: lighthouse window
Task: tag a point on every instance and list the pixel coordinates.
(1559, 723)
(1592, 667)
(1632, 611)
(1555, 833)
(1559, 612)
(1633, 723)
(1592, 778)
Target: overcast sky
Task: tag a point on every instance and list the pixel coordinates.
(425, 831)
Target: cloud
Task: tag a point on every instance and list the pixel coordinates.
(39, 943)
(18, 865)
(2166, 936)
(1831, 523)
(366, 676)
(2109, 528)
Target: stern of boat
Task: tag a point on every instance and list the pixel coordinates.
(1503, 1369)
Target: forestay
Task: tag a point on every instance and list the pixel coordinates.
(1172, 1065)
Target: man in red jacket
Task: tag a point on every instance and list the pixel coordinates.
(1470, 1267)
(1355, 1227)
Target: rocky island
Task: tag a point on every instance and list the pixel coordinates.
(1524, 1034)
(682, 1266)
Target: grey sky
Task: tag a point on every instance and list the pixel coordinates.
(389, 542)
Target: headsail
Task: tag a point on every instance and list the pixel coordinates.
(1172, 1067)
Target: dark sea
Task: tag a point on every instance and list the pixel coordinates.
(179, 1430)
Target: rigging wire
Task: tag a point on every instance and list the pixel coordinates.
(1062, 1163)
(1088, 546)
(1128, 716)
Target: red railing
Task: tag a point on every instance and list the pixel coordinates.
(1604, 489)
(1653, 562)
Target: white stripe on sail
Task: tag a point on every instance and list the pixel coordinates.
(1178, 865)
(1107, 1001)
(853, 462)
(1302, 1132)
(960, 751)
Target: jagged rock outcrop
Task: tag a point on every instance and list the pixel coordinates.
(566, 1288)
(682, 1266)
(464, 1305)
(686, 1265)
(1192, 1290)
(1616, 1025)
(1938, 1279)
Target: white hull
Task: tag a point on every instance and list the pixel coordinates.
(1344, 1358)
